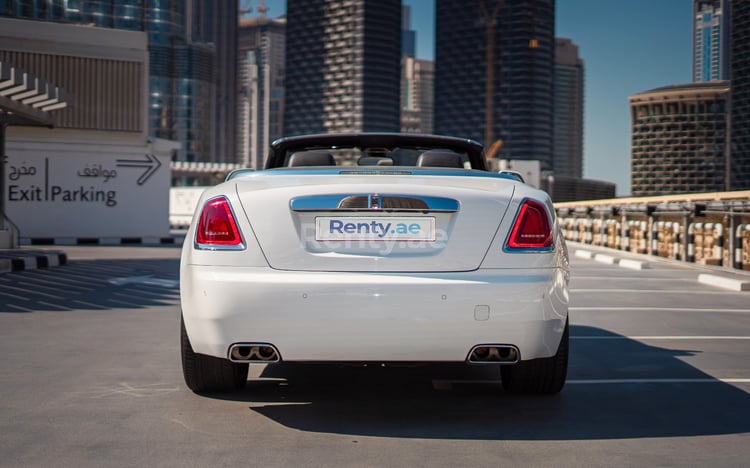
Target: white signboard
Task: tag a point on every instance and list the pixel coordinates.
(58, 190)
(182, 203)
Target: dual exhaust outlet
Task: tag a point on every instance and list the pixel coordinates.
(253, 352)
(494, 354)
(267, 353)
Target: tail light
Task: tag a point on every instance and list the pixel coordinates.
(217, 227)
(532, 229)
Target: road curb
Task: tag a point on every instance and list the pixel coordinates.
(584, 254)
(11, 260)
(611, 260)
(98, 240)
(724, 282)
(633, 264)
(604, 258)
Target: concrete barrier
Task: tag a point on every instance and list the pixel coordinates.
(734, 284)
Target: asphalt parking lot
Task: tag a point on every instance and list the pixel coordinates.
(659, 376)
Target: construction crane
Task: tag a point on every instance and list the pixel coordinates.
(246, 8)
(489, 24)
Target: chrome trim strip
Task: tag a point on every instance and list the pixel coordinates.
(354, 202)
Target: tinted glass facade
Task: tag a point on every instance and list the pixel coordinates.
(343, 66)
(568, 126)
(261, 97)
(120, 14)
(679, 138)
(191, 86)
(740, 74)
(710, 40)
(524, 42)
(417, 84)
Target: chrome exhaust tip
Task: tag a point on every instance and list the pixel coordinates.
(254, 352)
(494, 354)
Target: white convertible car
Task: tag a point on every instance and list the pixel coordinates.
(374, 248)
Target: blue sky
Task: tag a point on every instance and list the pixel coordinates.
(628, 46)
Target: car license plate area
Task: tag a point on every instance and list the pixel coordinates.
(375, 228)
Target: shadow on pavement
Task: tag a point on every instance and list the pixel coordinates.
(462, 402)
(92, 285)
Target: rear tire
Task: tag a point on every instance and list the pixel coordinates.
(543, 376)
(205, 374)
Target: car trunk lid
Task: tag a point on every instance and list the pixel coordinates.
(393, 223)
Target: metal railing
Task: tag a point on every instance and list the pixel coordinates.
(709, 228)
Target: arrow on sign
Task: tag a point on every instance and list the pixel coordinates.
(151, 163)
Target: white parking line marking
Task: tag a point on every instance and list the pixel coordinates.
(13, 296)
(697, 338)
(653, 381)
(22, 309)
(148, 280)
(664, 291)
(657, 309)
(124, 303)
(630, 278)
(438, 384)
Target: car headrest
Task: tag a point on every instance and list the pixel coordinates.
(311, 158)
(440, 158)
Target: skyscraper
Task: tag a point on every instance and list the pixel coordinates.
(192, 56)
(417, 104)
(739, 162)
(261, 95)
(711, 40)
(679, 139)
(408, 35)
(417, 83)
(343, 66)
(521, 73)
(568, 126)
(216, 22)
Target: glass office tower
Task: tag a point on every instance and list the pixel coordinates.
(739, 170)
(343, 66)
(678, 139)
(711, 40)
(192, 63)
(261, 97)
(568, 128)
(522, 70)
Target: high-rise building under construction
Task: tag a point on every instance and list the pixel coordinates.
(521, 47)
(343, 66)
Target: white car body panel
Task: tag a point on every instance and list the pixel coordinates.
(375, 317)
(288, 242)
(374, 300)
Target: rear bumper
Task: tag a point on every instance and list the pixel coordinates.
(386, 317)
